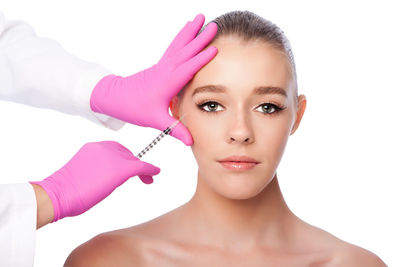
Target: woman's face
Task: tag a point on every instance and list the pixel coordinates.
(230, 111)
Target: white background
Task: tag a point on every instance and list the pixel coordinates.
(340, 171)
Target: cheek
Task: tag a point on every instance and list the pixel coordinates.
(206, 134)
(202, 127)
(272, 136)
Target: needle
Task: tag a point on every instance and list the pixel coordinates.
(159, 137)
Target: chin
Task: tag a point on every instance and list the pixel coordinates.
(243, 195)
(239, 185)
(241, 188)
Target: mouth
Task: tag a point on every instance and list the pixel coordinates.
(238, 163)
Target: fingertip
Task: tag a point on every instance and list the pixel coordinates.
(189, 141)
(213, 50)
(182, 133)
(199, 17)
(213, 27)
(209, 32)
(205, 57)
(154, 170)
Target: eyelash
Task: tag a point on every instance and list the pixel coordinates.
(277, 108)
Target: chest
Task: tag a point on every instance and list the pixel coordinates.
(211, 258)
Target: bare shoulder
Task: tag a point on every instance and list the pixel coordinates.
(107, 249)
(139, 245)
(350, 255)
(336, 252)
(134, 246)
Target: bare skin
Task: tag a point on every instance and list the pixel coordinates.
(45, 211)
(235, 218)
(169, 241)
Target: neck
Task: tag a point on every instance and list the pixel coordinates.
(239, 224)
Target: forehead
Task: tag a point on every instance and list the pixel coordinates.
(245, 65)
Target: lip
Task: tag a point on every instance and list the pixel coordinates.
(238, 163)
(239, 159)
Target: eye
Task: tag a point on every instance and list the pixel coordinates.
(210, 105)
(268, 108)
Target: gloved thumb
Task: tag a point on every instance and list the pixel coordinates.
(180, 131)
(145, 171)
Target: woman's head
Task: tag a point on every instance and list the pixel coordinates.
(242, 103)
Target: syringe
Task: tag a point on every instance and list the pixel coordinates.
(158, 138)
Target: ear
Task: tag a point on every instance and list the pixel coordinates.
(301, 107)
(174, 107)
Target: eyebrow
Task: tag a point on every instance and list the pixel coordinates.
(261, 90)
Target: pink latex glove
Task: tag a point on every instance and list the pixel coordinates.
(91, 175)
(143, 98)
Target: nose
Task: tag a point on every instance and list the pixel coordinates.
(240, 131)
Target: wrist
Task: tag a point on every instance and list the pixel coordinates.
(99, 92)
(45, 210)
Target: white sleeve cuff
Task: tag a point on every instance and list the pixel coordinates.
(84, 91)
(17, 224)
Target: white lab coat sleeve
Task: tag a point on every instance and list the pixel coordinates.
(17, 224)
(37, 71)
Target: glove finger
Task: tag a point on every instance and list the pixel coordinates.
(185, 72)
(146, 179)
(188, 32)
(180, 131)
(196, 45)
(191, 67)
(139, 168)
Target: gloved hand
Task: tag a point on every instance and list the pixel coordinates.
(143, 98)
(91, 175)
